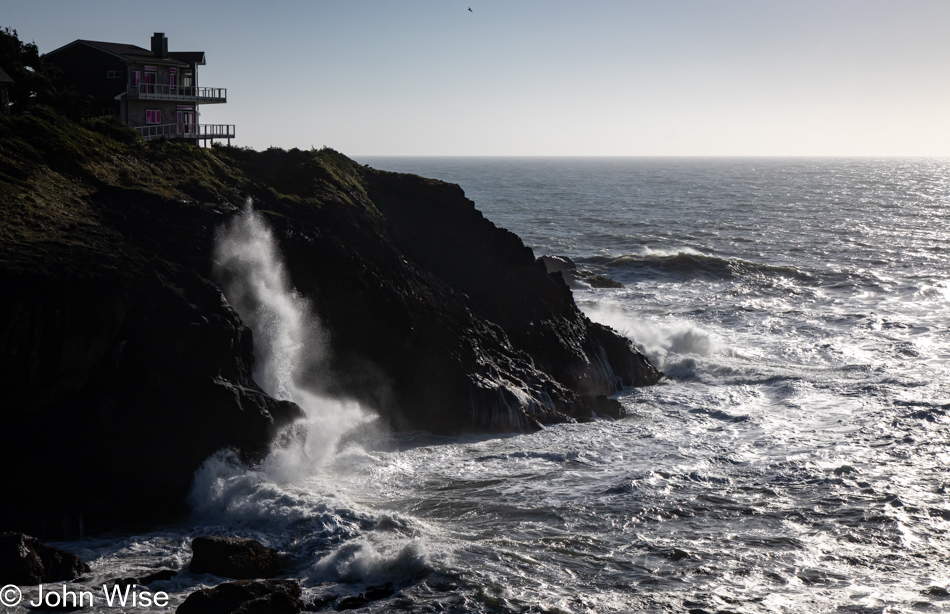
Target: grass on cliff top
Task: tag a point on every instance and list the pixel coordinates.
(51, 168)
(93, 153)
(295, 175)
(105, 151)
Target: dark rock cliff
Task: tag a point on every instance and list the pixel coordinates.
(123, 366)
(25, 561)
(121, 375)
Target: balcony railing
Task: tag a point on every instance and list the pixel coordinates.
(183, 93)
(215, 131)
(203, 132)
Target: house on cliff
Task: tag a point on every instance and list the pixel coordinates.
(153, 90)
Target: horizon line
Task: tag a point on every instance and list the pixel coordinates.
(683, 156)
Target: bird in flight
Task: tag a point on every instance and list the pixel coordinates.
(470, 10)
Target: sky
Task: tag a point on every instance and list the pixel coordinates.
(550, 77)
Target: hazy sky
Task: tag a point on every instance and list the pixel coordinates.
(551, 77)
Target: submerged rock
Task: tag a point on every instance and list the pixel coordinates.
(25, 561)
(233, 557)
(246, 597)
(162, 575)
(564, 267)
(372, 593)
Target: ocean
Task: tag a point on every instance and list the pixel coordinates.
(796, 460)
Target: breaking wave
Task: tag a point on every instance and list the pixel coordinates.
(689, 263)
(673, 346)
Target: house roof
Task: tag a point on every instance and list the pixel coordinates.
(134, 53)
(198, 57)
(4, 77)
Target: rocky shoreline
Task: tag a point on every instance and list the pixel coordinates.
(64, 582)
(124, 366)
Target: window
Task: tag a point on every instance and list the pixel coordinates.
(112, 74)
(153, 116)
(186, 119)
(151, 78)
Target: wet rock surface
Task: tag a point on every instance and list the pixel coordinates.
(566, 269)
(246, 597)
(372, 593)
(25, 561)
(161, 575)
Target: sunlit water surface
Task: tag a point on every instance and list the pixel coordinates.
(797, 460)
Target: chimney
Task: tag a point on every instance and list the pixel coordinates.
(159, 45)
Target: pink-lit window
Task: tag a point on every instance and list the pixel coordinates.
(172, 77)
(153, 116)
(151, 78)
(137, 77)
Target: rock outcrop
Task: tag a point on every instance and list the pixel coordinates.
(478, 336)
(574, 277)
(119, 385)
(124, 366)
(24, 561)
(246, 597)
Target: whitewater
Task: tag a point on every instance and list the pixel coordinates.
(796, 460)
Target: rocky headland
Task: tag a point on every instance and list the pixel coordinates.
(124, 366)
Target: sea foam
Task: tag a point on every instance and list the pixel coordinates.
(374, 562)
(672, 346)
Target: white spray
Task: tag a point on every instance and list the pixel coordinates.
(289, 344)
(297, 483)
(255, 283)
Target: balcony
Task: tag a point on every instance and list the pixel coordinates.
(202, 132)
(179, 93)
